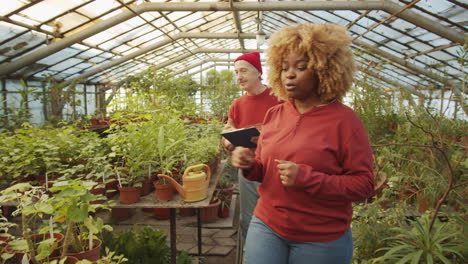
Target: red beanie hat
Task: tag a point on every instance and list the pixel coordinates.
(252, 58)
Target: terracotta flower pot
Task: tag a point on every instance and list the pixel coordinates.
(98, 191)
(146, 187)
(421, 202)
(161, 213)
(4, 237)
(210, 213)
(112, 188)
(93, 254)
(68, 260)
(223, 212)
(37, 238)
(121, 214)
(129, 195)
(164, 192)
(186, 211)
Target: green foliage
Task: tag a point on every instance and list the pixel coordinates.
(32, 203)
(220, 90)
(59, 93)
(204, 142)
(72, 207)
(417, 244)
(64, 152)
(157, 144)
(376, 110)
(17, 115)
(107, 257)
(140, 245)
(370, 224)
(154, 89)
(184, 258)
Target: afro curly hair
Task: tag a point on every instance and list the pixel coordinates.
(328, 49)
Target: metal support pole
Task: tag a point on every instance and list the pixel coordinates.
(85, 100)
(199, 240)
(173, 236)
(5, 103)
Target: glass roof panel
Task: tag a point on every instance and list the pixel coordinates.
(419, 46)
(111, 14)
(96, 8)
(396, 36)
(22, 43)
(10, 30)
(84, 65)
(47, 9)
(25, 20)
(12, 6)
(70, 20)
(438, 7)
(65, 64)
(97, 59)
(350, 15)
(439, 42)
(59, 56)
(443, 56)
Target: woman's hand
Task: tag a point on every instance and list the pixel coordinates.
(243, 158)
(228, 146)
(287, 171)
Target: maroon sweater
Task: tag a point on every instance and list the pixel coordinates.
(331, 146)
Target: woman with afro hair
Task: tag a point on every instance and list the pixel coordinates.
(313, 158)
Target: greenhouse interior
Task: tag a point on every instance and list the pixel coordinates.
(101, 98)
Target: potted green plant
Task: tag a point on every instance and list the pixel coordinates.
(33, 204)
(209, 213)
(170, 143)
(5, 252)
(110, 257)
(73, 206)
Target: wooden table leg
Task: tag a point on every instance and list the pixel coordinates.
(173, 236)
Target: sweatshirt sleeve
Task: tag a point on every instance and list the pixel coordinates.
(256, 172)
(355, 183)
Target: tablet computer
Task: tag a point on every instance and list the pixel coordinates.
(241, 137)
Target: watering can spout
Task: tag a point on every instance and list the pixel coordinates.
(180, 189)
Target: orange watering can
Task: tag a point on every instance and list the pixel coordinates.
(194, 184)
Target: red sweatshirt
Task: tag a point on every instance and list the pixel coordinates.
(249, 110)
(331, 147)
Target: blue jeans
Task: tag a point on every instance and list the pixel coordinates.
(264, 246)
(247, 201)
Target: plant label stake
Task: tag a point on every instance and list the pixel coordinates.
(90, 235)
(25, 259)
(51, 227)
(118, 178)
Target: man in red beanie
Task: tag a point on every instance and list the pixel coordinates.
(248, 110)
